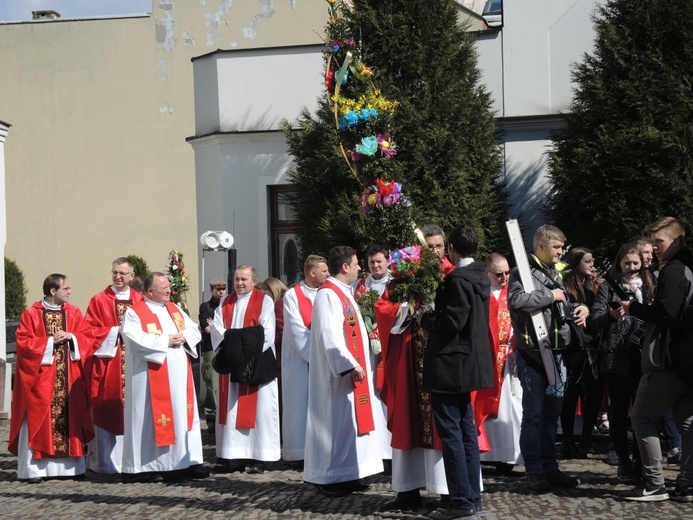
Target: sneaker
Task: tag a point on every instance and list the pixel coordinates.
(559, 479)
(452, 513)
(626, 473)
(646, 493)
(674, 457)
(537, 482)
(683, 494)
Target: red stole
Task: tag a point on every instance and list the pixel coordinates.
(159, 385)
(305, 306)
(354, 338)
(485, 402)
(247, 395)
(446, 266)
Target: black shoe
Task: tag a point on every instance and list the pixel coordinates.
(196, 472)
(387, 467)
(675, 458)
(344, 488)
(258, 468)
(570, 451)
(558, 479)
(683, 494)
(232, 466)
(586, 445)
(296, 465)
(34, 480)
(404, 501)
(452, 514)
(626, 473)
(147, 476)
(646, 493)
(537, 482)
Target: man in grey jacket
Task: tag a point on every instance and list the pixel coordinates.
(541, 402)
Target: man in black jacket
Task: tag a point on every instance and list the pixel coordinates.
(666, 359)
(218, 288)
(457, 361)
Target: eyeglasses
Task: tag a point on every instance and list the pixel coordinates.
(437, 247)
(120, 273)
(501, 274)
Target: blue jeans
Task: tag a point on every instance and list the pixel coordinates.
(455, 426)
(541, 408)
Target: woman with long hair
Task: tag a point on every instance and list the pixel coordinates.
(620, 347)
(582, 379)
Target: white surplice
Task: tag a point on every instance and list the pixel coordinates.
(334, 451)
(261, 443)
(295, 358)
(140, 452)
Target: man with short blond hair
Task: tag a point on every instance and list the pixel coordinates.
(667, 365)
(107, 387)
(298, 312)
(247, 425)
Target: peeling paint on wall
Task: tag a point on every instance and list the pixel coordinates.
(166, 27)
(163, 65)
(188, 40)
(166, 109)
(214, 20)
(266, 11)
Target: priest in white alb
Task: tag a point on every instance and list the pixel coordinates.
(298, 311)
(162, 427)
(247, 425)
(342, 445)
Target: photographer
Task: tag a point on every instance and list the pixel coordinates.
(541, 403)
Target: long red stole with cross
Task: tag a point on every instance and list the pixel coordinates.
(305, 306)
(159, 386)
(246, 414)
(355, 344)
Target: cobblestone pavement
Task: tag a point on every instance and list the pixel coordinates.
(281, 493)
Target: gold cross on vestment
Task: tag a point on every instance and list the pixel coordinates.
(164, 420)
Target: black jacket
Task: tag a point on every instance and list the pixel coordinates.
(206, 311)
(458, 355)
(667, 340)
(241, 356)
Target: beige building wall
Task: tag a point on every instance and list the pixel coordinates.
(97, 165)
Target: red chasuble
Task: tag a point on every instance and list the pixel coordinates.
(355, 344)
(409, 415)
(35, 385)
(107, 385)
(159, 385)
(246, 415)
(359, 291)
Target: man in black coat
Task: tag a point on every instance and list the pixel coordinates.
(457, 361)
(218, 288)
(667, 364)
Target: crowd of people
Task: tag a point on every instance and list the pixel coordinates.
(425, 395)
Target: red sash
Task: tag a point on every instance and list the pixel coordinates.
(305, 306)
(159, 385)
(355, 340)
(247, 395)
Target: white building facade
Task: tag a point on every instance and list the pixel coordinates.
(240, 98)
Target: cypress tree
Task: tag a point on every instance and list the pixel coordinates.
(447, 158)
(623, 158)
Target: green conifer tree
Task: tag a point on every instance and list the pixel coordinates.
(624, 157)
(448, 160)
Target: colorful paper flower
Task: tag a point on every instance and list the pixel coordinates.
(387, 147)
(368, 146)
